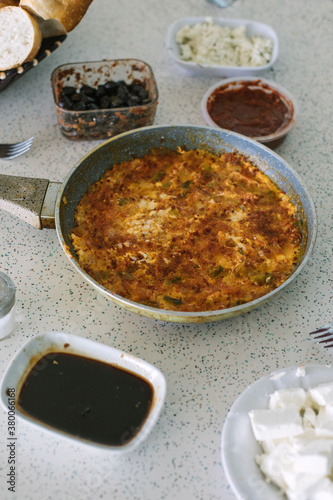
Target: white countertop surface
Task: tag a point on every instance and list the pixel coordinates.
(206, 366)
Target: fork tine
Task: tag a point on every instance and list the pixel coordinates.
(19, 149)
(324, 341)
(9, 151)
(327, 346)
(324, 329)
(20, 146)
(9, 155)
(320, 330)
(325, 333)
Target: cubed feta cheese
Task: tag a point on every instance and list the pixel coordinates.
(276, 464)
(324, 422)
(275, 424)
(322, 394)
(296, 435)
(288, 397)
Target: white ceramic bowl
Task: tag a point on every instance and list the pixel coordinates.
(253, 28)
(43, 344)
(271, 140)
(238, 444)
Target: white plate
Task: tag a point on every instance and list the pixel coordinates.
(253, 28)
(238, 444)
(42, 344)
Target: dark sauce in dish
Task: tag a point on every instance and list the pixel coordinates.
(86, 398)
(252, 109)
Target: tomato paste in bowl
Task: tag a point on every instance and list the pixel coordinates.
(253, 107)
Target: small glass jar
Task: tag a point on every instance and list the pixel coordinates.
(7, 305)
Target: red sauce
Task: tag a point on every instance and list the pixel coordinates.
(253, 112)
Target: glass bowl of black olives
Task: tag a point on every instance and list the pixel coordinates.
(100, 99)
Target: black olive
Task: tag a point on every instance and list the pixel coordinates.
(65, 102)
(139, 90)
(143, 93)
(88, 91)
(111, 87)
(100, 92)
(76, 97)
(109, 95)
(134, 88)
(117, 102)
(68, 91)
(122, 93)
(134, 100)
(86, 98)
(80, 106)
(105, 102)
(122, 83)
(92, 106)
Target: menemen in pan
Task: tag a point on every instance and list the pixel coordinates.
(187, 230)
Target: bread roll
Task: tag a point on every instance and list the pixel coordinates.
(57, 17)
(20, 37)
(3, 3)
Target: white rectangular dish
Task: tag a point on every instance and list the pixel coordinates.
(252, 28)
(53, 343)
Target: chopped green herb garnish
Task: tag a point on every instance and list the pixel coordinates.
(123, 201)
(177, 302)
(159, 176)
(216, 271)
(262, 278)
(125, 274)
(175, 279)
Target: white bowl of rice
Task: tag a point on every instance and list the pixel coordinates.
(222, 47)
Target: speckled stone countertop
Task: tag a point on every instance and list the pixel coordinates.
(206, 366)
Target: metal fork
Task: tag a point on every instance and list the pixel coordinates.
(323, 335)
(221, 3)
(9, 151)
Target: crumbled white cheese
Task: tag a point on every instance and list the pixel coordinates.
(296, 436)
(211, 44)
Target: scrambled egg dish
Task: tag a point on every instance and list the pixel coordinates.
(187, 230)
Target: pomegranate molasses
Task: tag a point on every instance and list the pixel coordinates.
(87, 398)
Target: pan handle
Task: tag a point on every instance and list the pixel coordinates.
(32, 200)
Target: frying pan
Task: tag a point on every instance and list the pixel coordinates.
(45, 202)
